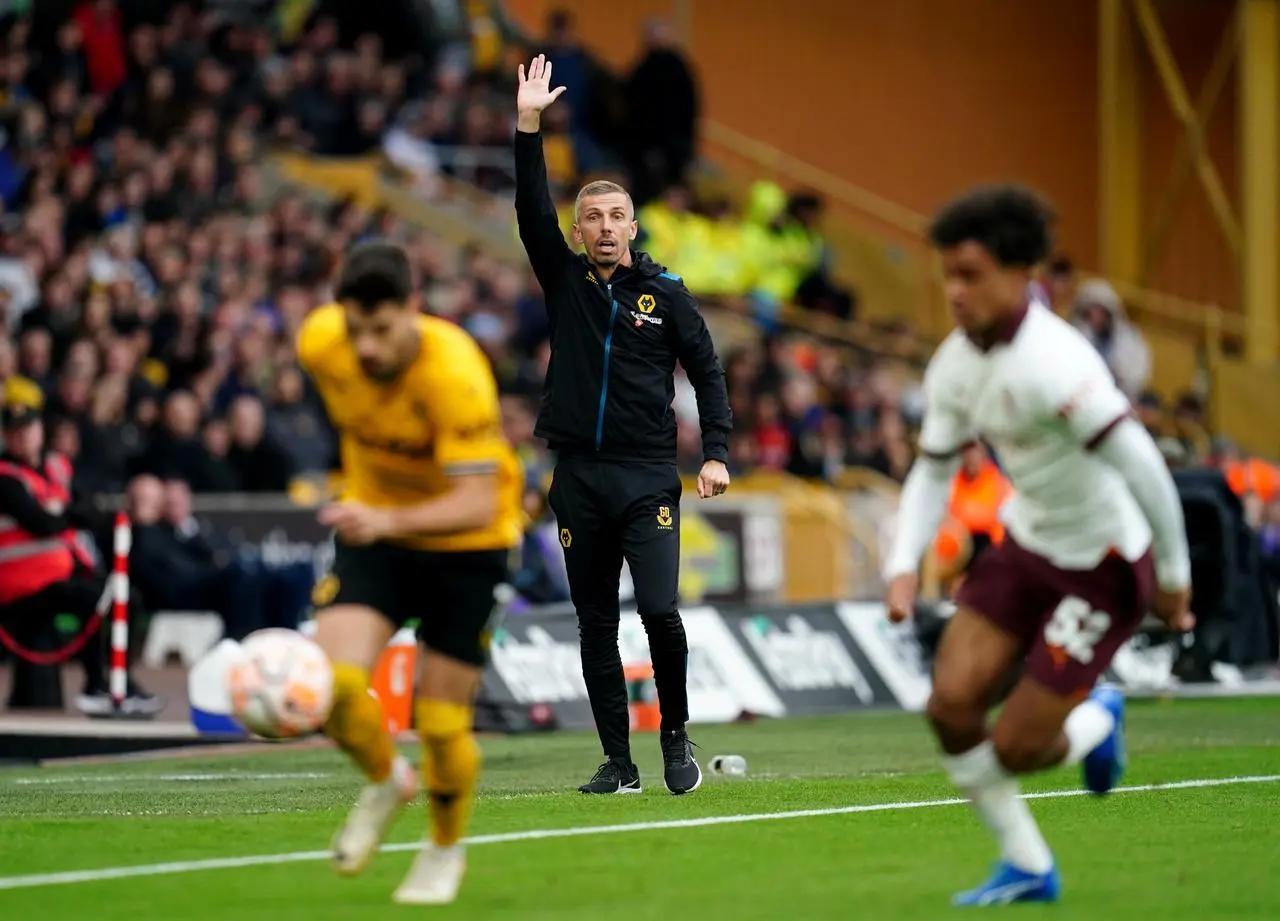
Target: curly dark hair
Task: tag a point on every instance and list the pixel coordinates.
(1009, 221)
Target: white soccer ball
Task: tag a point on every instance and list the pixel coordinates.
(282, 684)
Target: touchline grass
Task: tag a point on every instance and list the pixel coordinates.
(871, 828)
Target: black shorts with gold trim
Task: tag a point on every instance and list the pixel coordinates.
(454, 596)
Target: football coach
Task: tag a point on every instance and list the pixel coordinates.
(619, 323)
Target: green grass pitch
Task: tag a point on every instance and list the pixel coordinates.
(1185, 853)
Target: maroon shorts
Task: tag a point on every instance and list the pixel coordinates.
(1070, 621)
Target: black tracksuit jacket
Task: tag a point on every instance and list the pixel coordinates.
(615, 343)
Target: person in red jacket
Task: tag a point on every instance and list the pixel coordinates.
(44, 570)
(103, 41)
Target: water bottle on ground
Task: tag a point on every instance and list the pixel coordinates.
(728, 765)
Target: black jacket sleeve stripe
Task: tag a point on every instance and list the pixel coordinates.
(697, 355)
(536, 215)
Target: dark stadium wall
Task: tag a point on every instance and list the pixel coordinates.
(916, 99)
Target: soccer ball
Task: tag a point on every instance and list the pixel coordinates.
(282, 684)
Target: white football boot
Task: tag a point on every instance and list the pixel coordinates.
(434, 877)
(360, 836)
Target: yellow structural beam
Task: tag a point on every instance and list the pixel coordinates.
(1192, 148)
(1259, 150)
(1120, 144)
(1175, 91)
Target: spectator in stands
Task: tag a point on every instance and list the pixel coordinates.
(662, 114)
(179, 568)
(1251, 478)
(1151, 413)
(772, 444)
(108, 441)
(175, 449)
(978, 490)
(1061, 285)
(1174, 453)
(103, 42)
(818, 289)
(256, 459)
(1190, 428)
(297, 423)
(407, 145)
(35, 357)
(286, 587)
(182, 574)
(782, 239)
(588, 90)
(1099, 314)
(665, 223)
(1269, 539)
(805, 423)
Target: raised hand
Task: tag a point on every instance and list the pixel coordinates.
(535, 92)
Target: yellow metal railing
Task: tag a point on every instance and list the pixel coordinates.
(875, 229)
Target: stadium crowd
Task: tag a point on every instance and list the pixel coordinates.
(150, 284)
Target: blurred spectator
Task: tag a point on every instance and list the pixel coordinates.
(1191, 428)
(799, 232)
(1269, 538)
(407, 144)
(662, 114)
(297, 423)
(1248, 477)
(978, 490)
(588, 90)
(108, 440)
(1151, 413)
(772, 448)
(1099, 314)
(102, 37)
(175, 449)
(1061, 285)
(177, 568)
(257, 460)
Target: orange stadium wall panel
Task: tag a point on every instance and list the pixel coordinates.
(916, 99)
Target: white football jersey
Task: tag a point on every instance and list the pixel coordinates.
(1040, 400)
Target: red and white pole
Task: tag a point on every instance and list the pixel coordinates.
(120, 609)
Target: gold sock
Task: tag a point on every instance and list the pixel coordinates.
(355, 723)
(450, 766)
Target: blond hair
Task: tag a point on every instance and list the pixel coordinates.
(601, 187)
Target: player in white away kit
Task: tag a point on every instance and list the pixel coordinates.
(1094, 535)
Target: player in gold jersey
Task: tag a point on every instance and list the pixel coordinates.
(425, 528)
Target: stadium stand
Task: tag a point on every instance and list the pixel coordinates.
(178, 189)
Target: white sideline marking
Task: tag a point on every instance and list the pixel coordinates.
(159, 778)
(40, 880)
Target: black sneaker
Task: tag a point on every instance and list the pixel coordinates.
(614, 776)
(679, 769)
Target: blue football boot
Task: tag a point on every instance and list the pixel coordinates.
(1104, 766)
(1008, 884)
